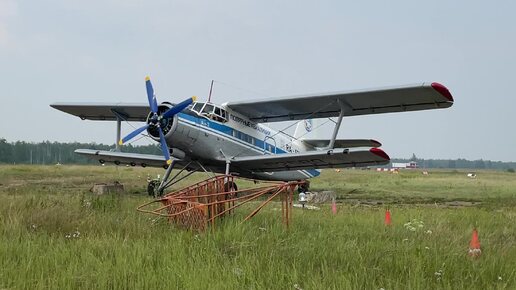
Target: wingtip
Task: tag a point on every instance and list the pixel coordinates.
(169, 162)
(441, 89)
(194, 98)
(147, 78)
(379, 152)
(120, 142)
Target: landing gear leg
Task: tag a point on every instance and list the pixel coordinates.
(158, 186)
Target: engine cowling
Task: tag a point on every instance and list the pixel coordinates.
(168, 125)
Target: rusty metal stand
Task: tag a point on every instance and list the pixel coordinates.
(199, 205)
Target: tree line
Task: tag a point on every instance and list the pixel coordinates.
(21, 152)
(459, 163)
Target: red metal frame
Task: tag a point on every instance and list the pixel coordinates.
(197, 206)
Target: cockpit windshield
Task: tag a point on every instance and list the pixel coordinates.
(210, 111)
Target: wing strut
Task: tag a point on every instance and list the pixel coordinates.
(337, 125)
(119, 118)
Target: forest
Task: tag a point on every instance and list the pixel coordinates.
(21, 152)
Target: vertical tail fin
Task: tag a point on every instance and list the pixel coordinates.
(309, 129)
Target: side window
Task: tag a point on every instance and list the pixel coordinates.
(208, 109)
(218, 114)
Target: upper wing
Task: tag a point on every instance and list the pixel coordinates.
(105, 111)
(384, 100)
(124, 158)
(342, 143)
(336, 158)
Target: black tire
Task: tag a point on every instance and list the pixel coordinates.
(230, 186)
(303, 187)
(152, 188)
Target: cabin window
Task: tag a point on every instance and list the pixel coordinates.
(207, 109)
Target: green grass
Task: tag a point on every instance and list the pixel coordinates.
(43, 207)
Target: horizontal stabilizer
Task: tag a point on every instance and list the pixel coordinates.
(336, 158)
(342, 143)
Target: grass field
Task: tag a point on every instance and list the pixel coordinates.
(56, 235)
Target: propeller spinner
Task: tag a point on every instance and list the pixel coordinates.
(156, 118)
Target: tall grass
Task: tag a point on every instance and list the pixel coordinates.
(56, 234)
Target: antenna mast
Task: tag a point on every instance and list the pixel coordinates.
(211, 88)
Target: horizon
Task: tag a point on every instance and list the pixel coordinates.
(157, 146)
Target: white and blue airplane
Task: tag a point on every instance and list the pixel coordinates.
(231, 138)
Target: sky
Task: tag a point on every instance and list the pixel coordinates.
(101, 51)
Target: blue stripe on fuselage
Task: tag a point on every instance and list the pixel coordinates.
(228, 131)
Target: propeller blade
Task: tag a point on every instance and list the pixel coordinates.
(179, 107)
(153, 104)
(164, 147)
(132, 134)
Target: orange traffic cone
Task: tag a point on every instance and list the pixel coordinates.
(334, 207)
(387, 217)
(474, 245)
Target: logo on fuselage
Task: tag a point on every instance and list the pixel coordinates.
(308, 125)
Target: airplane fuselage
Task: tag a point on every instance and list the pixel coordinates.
(214, 138)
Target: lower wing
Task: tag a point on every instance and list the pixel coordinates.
(336, 158)
(133, 159)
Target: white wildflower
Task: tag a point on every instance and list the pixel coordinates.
(439, 275)
(428, 248)
(413, 225)
(428, 232)
(297, 287)
(499, 278)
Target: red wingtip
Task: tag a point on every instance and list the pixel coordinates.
(378, 144)
(380, 152)
(443, 91)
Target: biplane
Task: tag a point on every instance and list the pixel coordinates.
(233, 138)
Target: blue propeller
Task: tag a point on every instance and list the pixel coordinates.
(155, 118)
(153, 103)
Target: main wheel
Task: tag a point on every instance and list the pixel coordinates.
(230, 186)
(303, 187)
(152, 188)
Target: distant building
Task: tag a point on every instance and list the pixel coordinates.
(409, 165)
